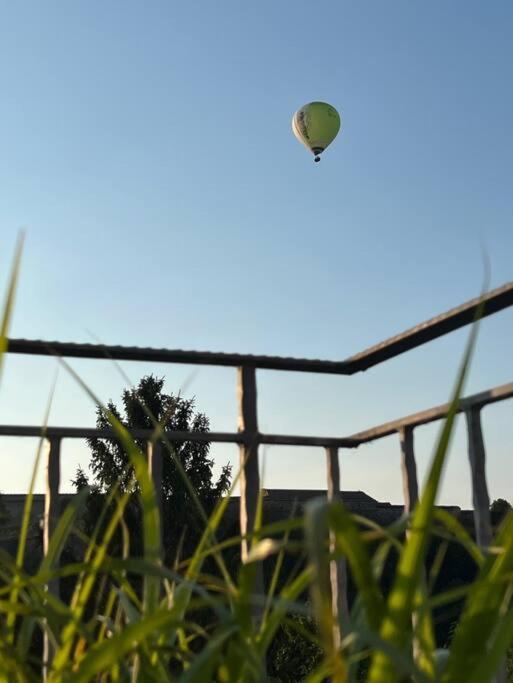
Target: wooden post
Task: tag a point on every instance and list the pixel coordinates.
(249, 481)
(409, 469)
(338, 572)
(53, 480)
(51, 516)
(155, 466)
(480, 498)
(411, 496)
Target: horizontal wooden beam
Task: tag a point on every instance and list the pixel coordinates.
(135, 353)
(480, 400)
(321, 441)
(494, 301)
(147, 434)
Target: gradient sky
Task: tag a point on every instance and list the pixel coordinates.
(146, 150)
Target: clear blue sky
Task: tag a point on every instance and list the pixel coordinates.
(146, 149)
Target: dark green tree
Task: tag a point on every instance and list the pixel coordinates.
(294, 653)
(110, 465)
(4, 512)
(498, 509)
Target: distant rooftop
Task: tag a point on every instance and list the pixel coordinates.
(277, 502)
(301, 495)
(355, 500)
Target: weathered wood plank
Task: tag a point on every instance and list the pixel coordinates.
(492, 302)
(408, 469)
(53, 480)
(338, 570)
(50, 519)
(494, 395)
(411, 496)
(249, 482)
(480, 497)
(41, 347)
(202, 437)
(249, 479)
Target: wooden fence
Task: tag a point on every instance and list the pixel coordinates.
(250, 438)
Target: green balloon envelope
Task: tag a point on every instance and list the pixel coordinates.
(316, 125)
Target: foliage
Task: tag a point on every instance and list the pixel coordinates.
(295, 651)
(4, 512)
(499, 509)
(142, 407)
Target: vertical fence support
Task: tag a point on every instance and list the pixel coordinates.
(155, 466)
(51, 515)
(480, 498)
(411, 496)
(249, 481)
(409, 469)
(338, 571)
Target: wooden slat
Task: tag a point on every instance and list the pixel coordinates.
(451, 320)
(51, 516)
(480, 497)
(41, 347)
(249, 477)
(500, 393)
(490, 396)
(338, 570)
(492, 302)
(53, 478)
(249, 482)
(409, 469)
(202, 437)
(411, 496)
(323, 441)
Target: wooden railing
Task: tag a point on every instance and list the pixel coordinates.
(250, 438)
(404, 426)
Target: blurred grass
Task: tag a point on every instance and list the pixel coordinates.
(134, 619)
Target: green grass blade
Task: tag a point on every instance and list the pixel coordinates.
(277, 568)
(488, 665)
(8, 307)
(64, 529)
(160, 435)
(400, 604)
(456, 528)
(150, 509)
(204, 663)
(349, 541)
(25, 520)
(83, 591)
(102, 657)
(424, 642)
(50, 560)
(479, 636)
(282, 606)
(316, 536)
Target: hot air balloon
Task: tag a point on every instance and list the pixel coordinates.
(316, 125)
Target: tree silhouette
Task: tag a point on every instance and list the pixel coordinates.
(498, 510)
(109, 465)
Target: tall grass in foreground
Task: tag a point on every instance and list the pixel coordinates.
(135, 619)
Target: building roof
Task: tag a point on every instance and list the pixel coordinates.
(302, 495)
